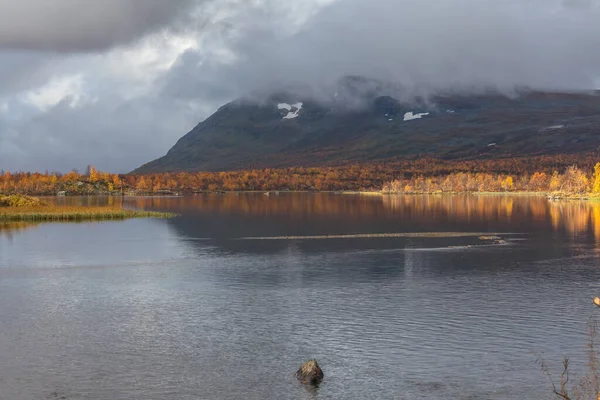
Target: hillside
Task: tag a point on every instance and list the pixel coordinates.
(290, 131)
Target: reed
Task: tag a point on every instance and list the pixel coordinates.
(587, 387)
(65, 214)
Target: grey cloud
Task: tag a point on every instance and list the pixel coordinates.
(422, 45)
(113, 135)
(81, 25)
(23, 70)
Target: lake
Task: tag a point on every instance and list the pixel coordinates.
(397, 298)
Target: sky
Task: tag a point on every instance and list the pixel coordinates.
(115, 83)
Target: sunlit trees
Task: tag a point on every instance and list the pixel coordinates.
(555, 182)
(538, 182)
(94, 175)
(596, 179)
(507, 183)
(574, 181)
(539, 174)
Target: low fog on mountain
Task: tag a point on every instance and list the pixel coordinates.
(116, 83)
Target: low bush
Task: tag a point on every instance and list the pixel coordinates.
(20, 201)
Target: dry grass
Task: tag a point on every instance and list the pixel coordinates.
(65, 214)
(309, 367)
(585, 388)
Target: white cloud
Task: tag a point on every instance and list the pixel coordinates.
(66, 88)
(150, 57)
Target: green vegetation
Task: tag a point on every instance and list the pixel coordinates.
(17, 208)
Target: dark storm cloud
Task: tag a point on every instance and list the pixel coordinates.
(83, 25)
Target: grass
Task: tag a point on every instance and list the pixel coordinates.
(66, 214)
(21, 208)
(586, 387)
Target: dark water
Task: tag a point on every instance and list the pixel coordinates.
(190, 308)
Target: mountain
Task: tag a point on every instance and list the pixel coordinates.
(288, 130)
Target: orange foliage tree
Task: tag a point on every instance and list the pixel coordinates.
(536, 174)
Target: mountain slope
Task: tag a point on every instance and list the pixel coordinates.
(289, 131)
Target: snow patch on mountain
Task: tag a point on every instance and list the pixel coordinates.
(293, 109)
(552, 128)
(409, 116)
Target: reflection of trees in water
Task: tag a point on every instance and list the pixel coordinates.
(569, 216)
(366, 214)
(10, 228)
(349, 205)
(87, 201)
(463, 207)
(222, 219)
(573, 217)
(458, 207)
(257, 204)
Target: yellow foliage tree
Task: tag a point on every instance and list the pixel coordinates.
(555, 182)
(95, 175)
(507, 183)
(574, 181)
(596, 179)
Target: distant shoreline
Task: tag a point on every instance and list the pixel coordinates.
(504, 178)
(549, 195)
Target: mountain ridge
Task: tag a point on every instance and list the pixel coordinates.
(287, 130)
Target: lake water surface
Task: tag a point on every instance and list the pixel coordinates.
(227, 300)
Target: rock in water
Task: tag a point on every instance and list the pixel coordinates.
(310, 373)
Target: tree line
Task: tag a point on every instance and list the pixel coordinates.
(574, 181)
(572, 174)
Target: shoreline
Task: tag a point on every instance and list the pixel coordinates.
(549, 195)
(74, 214)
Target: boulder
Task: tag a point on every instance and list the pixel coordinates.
(310, 373)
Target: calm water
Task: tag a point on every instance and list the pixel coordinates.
(191, 308)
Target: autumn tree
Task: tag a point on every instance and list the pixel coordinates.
(596, 179)
(93, 174)
(574, 181)
(507, 183)
(538, 181)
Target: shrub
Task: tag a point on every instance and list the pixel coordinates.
(20, 201)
